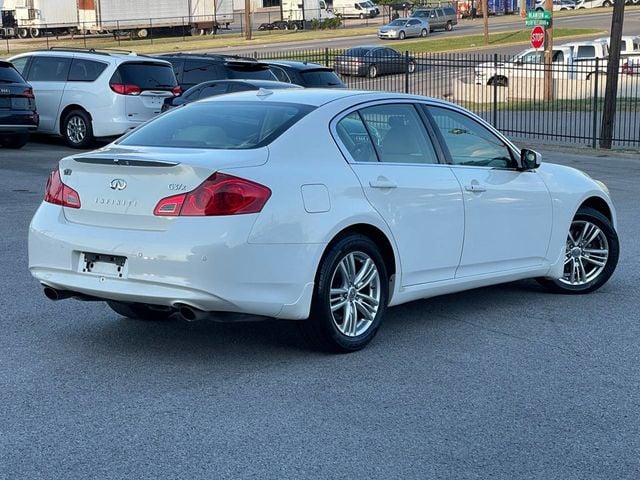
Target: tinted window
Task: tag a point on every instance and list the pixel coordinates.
(192, 94)
(219, 125)
(402, 135)
(470, 143)
(357, 52)
(250, 74)
(280, 74)
(148, 76)
(320, 78)
(10, 75)
(20, 64)
(85, 70)
(49, 69)
(355, 137)
(198, 71)
(449, 11)
(586, 51)
(213, 90)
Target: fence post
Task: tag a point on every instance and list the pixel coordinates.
(183, 24)
(495, 92)
(151, 30)
(326, 56)
(594, 139)
(406, 71)
(118, 33)
(8, 50)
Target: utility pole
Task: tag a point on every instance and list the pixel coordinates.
(485, 19)
(613, 70)
(247, 19)
(548, 54)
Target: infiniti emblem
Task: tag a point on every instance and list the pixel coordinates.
(118, 184)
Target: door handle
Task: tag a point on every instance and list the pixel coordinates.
(382, 183)
(475, 188)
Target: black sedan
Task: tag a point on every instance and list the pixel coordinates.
(18, 114)
(220, 87)
(305, 74)
(372, 61)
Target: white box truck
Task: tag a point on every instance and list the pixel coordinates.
(137, 18)
(34, 18)
(297, 12)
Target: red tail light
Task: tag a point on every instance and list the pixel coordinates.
(177, 90)
(60, 194)
(220, 194)
(126, 89)
(28, 92)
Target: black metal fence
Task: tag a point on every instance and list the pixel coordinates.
(511, 96)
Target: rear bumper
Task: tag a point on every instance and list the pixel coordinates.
(351, 69)
(202, 262)
(18, 121)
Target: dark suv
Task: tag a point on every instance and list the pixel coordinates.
(192, 69)
(444, 17)
(305, 74)
(18, 114)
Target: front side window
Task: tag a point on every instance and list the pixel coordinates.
(469, 142)
(219, 125)
(49, 69)
(402, 134)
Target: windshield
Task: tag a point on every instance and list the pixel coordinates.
(219, 125)
(147, 75)
(398, 23)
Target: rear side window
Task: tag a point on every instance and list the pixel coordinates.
(10, 75)
(280, 74)
(49, 69)
(85, 70)
(20, 64)
(219, 125)
(320, 78)
(147, 76)
(449, 11)
(198, 71)
(213, 90)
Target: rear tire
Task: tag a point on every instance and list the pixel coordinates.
(14, 141)
(411, 66)
(141, 311)
(77, 129)
(589, 262)
(449, 26)
(350, 296)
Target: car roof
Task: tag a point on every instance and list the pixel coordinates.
(216, 57)
(315, 97)
(111, 56)
(297, 64)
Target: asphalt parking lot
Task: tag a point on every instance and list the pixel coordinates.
(503, 382)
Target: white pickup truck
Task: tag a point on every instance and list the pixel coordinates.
(576, 60)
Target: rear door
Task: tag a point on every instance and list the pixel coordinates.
(48, 77)
(155, 81)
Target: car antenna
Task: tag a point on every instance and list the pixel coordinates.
(263, 92)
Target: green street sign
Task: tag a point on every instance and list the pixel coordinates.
(534, 22)
(535, 15)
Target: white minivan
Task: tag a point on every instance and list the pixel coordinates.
(355, 9)
(86, 94)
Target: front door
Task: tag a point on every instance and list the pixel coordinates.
(508, 212)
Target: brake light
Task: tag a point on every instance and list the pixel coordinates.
(220, 194)
(60, 194)
(126, 89)
(177, 90)
(28, 92)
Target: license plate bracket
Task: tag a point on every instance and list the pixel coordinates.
(103, 264)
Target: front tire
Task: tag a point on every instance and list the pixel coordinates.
(77, 129)
(591, 254)
(402, 35)
(449, 26)
(140, 311)
(411, 66)
(424, 33)
(350, 297)
(372, 72)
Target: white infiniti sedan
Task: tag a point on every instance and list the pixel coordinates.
(325, 206)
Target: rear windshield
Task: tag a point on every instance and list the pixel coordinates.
(320, 78)
(253, 73)
(219, 125)
(147, 76)
(10, 75)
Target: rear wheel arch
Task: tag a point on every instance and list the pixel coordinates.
(376, 235)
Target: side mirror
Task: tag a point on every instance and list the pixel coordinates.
(529, 159)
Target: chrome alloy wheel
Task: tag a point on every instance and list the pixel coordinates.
(355, 294)
(586, 253)
(76, 129)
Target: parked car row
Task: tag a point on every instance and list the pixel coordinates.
(84, 94)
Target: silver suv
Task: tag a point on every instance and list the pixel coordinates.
(84, 94)
(440, 17)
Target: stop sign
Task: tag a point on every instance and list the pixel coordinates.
(537, 37)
